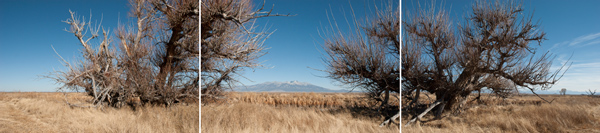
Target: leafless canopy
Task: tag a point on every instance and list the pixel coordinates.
(563, 91)
(230, 42)
(155, 60)
(493, 49)
(590, 92)
(367, 56)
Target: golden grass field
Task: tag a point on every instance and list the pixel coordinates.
(519, 114)
(48, 112)
(291, 112)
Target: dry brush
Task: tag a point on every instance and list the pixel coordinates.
(155, 60)
(230, 43)
(494, 50)
(367, 55)
(317, 100)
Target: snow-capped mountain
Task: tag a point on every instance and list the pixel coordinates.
(288, 86)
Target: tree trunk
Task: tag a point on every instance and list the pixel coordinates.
(424, 112)
(166, 67)
(387, 97)
(416, 99)
(440, 110)
(385, 100)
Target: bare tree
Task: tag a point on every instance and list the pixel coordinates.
(492, 50)
(367, 56)
(155, 60)
(563, 91)
(591, 93)
(230, 42)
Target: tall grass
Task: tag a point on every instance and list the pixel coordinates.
(520, 114)
(293, 112)
(262, 118)
(323, 100)
(47, 112)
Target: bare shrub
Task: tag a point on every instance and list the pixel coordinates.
(591, 93)
(366, 57)
(492, 50)
(563, 91)
(230, 42)
(155, 60)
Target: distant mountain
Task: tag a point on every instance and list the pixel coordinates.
(288, 86)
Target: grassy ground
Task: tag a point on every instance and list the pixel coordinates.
(292, 112)
(47, 112)
(519, 114)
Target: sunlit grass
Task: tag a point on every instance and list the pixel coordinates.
(47, 112)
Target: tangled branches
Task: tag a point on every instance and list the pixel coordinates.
(155, 63)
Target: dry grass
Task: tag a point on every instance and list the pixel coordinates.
(290, 112)
(520, 114)
(47, 112)
(321, 100)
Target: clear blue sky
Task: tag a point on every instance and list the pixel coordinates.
(29, 27)
(572, 27)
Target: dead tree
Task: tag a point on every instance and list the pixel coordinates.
(367, 56)
(493, 48)
(563, 91)
(230, 42)
(591, 93)
(155, 60)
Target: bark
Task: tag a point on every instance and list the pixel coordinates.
(440, 110)
(416, 99)
(424, 112)
(384, 103)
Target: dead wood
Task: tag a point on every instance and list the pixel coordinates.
(418, 117)
(154, 62)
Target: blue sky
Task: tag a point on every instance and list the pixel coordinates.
(572, 27)
(295, 47)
